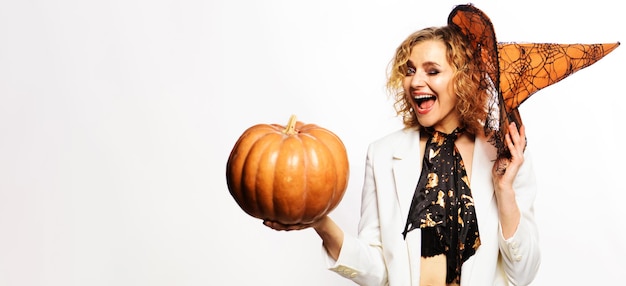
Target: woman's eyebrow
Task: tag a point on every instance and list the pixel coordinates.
(426, 64)
(430, 63)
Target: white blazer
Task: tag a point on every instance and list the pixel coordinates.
(381, 256)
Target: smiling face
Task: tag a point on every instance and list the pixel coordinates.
(428, 86)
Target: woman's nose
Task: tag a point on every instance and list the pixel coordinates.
(418, 80)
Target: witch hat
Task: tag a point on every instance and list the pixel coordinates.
(515, 71)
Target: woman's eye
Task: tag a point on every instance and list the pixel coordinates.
(410, 71)
(433, 72)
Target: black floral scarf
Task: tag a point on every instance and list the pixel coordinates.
(442, 205)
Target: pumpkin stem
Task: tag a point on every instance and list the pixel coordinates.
(291, 126)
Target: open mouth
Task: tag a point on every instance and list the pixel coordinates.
(424, 101)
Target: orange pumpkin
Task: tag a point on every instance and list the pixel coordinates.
(292, 174)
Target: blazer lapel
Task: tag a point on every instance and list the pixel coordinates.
(481, 184)
(407, 165)
(481, 180)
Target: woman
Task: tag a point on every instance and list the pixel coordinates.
(470, 219)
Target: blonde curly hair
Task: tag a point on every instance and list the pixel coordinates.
(472, 99)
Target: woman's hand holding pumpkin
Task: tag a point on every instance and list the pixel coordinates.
(287, 227)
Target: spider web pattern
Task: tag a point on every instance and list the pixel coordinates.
(527, 68)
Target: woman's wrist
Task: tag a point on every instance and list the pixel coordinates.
(508, 212)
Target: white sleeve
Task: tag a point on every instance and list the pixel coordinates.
(521, 254)
(361, 259)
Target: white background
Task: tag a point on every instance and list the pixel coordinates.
(117, 118)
